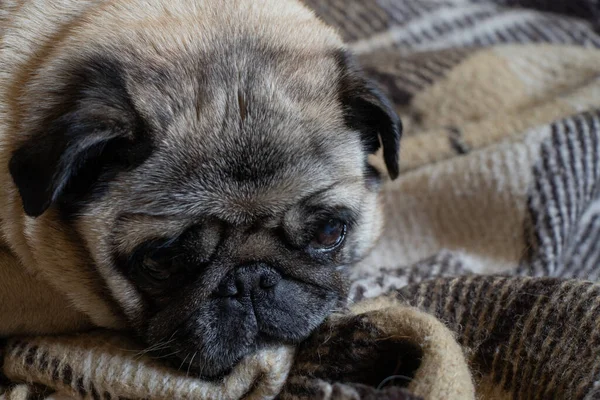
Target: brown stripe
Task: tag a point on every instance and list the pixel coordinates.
(496, 291)
(55, 371)
(19, 348)
(475, 304)
(81, 387)
(44, 362)
(466, 298)
(450, 311)
(95, 395)
(67, 374)
(30, 357)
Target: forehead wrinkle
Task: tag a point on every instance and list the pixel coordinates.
(334, 195)
(252, 203)
(189, 180)
(132, 229)
(236, 202)
(322, 197)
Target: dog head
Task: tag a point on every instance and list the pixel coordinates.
(220, 185)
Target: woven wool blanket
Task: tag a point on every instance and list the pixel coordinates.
(483, 284)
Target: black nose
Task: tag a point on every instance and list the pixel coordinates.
(248, 279)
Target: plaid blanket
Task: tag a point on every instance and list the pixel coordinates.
(483, 283)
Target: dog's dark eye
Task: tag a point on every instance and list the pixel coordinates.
(157, 267)
(329, 235)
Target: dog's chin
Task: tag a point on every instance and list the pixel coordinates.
(222, 331)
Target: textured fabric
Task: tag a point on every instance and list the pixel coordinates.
(101, 365)
(482, 285)
(525, 337)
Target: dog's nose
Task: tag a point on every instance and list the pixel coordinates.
(248, 279)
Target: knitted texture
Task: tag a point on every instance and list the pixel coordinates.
(482, 285)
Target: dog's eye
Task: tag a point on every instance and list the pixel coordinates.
(329, 235)
(154, 265)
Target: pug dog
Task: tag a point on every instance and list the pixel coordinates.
(196, 171)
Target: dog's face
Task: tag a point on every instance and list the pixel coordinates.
(220, 194)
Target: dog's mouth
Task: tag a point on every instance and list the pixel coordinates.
(225, 329)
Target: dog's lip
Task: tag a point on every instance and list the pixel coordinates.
(188, 358)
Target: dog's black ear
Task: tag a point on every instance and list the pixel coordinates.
(369, 111)
(92, 121)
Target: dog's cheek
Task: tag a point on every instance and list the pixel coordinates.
(296, 309)
(128, 297)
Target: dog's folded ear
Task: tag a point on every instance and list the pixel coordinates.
(369, 111)
(90, 126)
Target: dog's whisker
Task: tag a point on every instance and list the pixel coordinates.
(162, 345)
(183, 362)
(153, 348)
(144, 352)
(190, 364)
(165, 355)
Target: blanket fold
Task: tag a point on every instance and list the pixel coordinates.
(380, 341)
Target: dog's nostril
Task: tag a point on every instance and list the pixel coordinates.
(248, 279)
(227, 289)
